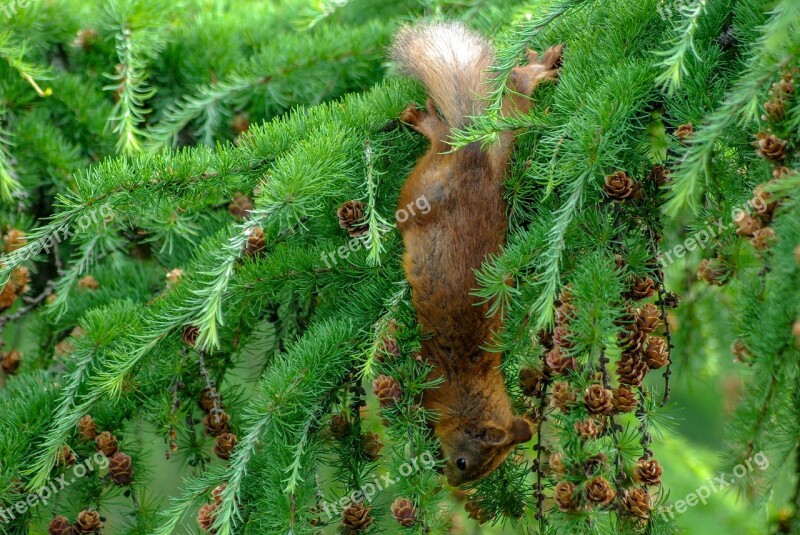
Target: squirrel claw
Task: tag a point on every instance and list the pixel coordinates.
(526, 78)
(425, 122)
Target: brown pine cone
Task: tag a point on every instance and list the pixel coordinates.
(770, 146)
(563, 396)
(120, 468)
(631, 369)
(786, 84)
(589, 428)
(565, 295)
(224, 445)
(356, 518)
(558, 363)
(599, 492)
(216, 422)
(660, 175)
(684, 131)
(88, 283)
(190, 334)
(565, 496)
(173, 277)
(763, 238)
(89, 521)
(648, 472)
(624, 399)
(642, 288)
(208, 397)
(781, 171)
(556, 464)
(256, 242)
(240, 123)
(656, 355)
(565, 313)
(619, 186)
(205, 516)
(389, 348)
(86, 427)
(372, 445)
(476, 512)
(713, 271)
(11, 361)
(339, 426)
(763, 202)
(351, 218)
(20, 278)
(774, 109)
(8, 296)
(637, 502)
(240, 206)
(561, 337)
(746, 225)
(216, 494)
(60, 526)
(106, 443)
(14, 239)
(648, 318)
(598, 399)
(531, 381)
(404, 512)
(66, 457)
(740, 351)
(595, 464)
(387, 389)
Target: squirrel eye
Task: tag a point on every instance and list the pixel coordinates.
(461, 463)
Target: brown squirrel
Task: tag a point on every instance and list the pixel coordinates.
(466, 224)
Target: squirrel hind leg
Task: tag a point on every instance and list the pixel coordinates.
(427, 122)
(525, 79)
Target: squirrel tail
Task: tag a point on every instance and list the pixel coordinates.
(451, 61)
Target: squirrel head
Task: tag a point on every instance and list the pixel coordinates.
(473, 450)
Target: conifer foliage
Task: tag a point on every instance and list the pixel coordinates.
(200, 269)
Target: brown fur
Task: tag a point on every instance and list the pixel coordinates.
(466, 223)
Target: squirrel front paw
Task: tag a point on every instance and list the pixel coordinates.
(526, 78)
(427, 122)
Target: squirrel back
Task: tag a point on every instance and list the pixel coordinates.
(451, 62)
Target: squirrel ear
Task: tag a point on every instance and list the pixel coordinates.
(489, 434)
(521, 431)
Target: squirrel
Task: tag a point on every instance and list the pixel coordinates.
(466, 224)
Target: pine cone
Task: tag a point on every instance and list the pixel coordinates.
(746, 225)
(763, 238)
(404, 512)
(684, 131)
(476, 512)
(648, 472)
(531, 381)
(173, 277)
(563, 396)
(763, 202)
(636, 502)
(561, 337)
(781, 171)
(559, 364)
(786, 84)
(216, 422)
(205, 516)
(589, 428)
(631, 369)
(599, 492)
(657, 353)
(387, 389)
(86, 427)
(660, 175)
(565, 496)
(60, 526)
(11, 361)
(556, 464)
(619, 186)
(389, 347)
(8, 296)
(339, 426)
(642, 288)
(190, 334)
(14, 239)
(120, 468)
(106, 443)
(208, 397)
(89, 521)
(224, 445)
(648, 318)
(770, 146)
(565, 295)
(351, 218)
(598, 400)
(240, 206)
(713, 271)
(740, 351)
(774, 109)
(356, 518)
(625, 399)
(595, 464)
(256, 242)
(88, 283)
(565, 313)
(216, 494)
(85, 39)
(372, 445)
(66, 457)
(20, 278)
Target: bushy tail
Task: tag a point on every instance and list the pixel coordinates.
(451, 61)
